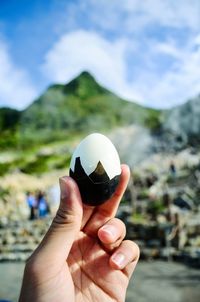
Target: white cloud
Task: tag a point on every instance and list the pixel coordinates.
(134, 15)
(176, 84)
(82, 50)
(179, 13)
(159, 71)
(16, 89)
(125, 47)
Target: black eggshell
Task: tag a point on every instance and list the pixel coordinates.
(96, 188)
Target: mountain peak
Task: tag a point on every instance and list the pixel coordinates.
(86, 74)
(84, 86)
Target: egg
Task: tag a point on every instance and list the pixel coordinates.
(95, 166)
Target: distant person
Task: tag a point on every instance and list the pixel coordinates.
(32, 204)
(172, 169)
(42, 205)
(83, 256)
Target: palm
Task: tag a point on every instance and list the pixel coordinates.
(91, 277)
(94, 280)
(87, 275)
(74, 262)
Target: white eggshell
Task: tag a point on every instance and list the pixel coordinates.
(94, 148)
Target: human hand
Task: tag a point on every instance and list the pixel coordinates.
(83, 257)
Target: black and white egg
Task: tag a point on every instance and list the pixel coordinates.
(95, 166)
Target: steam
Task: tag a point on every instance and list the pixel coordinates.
(185, 120)
(133, 143)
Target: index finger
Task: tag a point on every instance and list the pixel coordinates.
(101, 214)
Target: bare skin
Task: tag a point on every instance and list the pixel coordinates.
(83, 257)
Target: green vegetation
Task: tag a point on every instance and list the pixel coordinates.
(4, 168)
(32, 162)
(45, 163)
(138, 218)
(155, 207)
(81, 106)
(9, 122)
(9, 118)
(153, 121)
(3, 193)
(9, 139)
(61, 114)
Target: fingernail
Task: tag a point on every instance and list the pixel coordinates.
(110, 230)
(63, 188)
(119, 259)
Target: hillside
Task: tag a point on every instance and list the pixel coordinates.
(9, 122)
(41, 138)
(9, 118)
(81, 106)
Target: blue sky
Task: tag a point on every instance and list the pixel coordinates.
(145, 51)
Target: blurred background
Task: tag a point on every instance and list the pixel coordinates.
(131, 70)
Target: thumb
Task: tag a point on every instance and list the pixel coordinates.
(66, 224)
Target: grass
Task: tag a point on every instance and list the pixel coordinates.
(138, 218)
(33, 160)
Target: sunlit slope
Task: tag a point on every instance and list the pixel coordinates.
(81, 105)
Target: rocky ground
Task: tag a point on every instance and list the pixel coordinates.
(158, 201)
(152, 281)
(160, 208)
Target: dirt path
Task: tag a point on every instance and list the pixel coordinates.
(164, 282)
(152, 281)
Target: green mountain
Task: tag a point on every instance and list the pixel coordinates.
(9, 121)
(9, 118)
(64, 112)
(82, 105)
